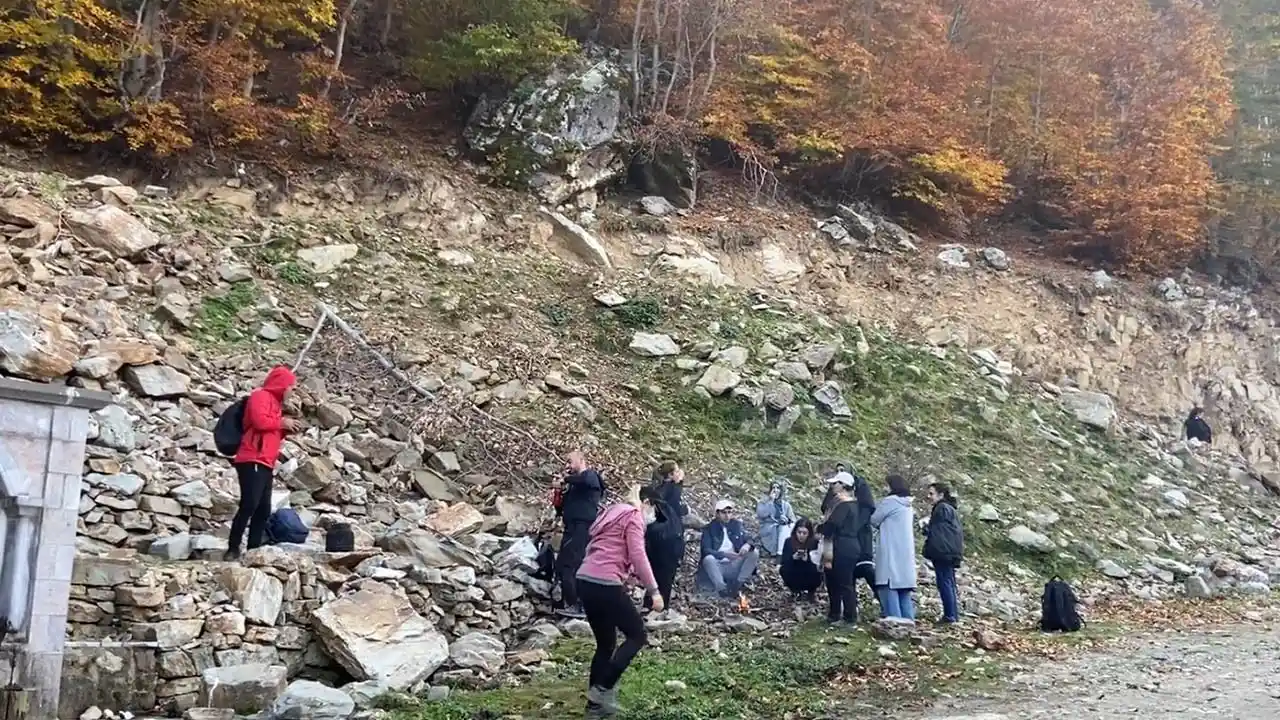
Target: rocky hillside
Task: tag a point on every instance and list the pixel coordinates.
(533, 336)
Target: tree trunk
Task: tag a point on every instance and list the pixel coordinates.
(339, 45)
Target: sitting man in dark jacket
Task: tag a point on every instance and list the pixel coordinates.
(664, 539)
(728, 559)
(1197, 428)
(583, 490)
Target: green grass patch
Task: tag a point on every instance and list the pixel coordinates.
(814, 673)
(218, 319)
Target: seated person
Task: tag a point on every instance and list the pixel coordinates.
(728, 559)
(1197, 428)
(800, 559)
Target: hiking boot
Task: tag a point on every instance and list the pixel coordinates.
(573, 613)
(604, 699)
(231, 555)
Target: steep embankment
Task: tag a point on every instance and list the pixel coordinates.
(658, 357)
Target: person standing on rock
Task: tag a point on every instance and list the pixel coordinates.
(263, 429)
(583, 489)
(944, 547)
(896, 551)
(664, 539)
(614, 553)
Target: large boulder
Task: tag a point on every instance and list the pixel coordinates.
(309, 700)
(247, 689)
(558, 134)
(35, 343)
(1094, 409)
(377, 635)
(109, 228)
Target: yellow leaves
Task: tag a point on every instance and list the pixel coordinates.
(157, 129)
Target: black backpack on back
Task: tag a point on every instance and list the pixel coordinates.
(229, 430)
(1058, 608)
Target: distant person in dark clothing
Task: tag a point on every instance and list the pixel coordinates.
(583, 489)
(664, 539)
(800, 560)
(264, 427)
(944, 547)
(1197, 428)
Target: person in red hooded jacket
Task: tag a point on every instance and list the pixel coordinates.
(264, 428)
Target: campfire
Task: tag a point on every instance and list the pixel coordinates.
(744, 607)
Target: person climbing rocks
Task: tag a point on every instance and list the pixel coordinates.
(582, 489)
(776, 518)
(1197, 428)
(615, 551)
(800, 562)
(664, 539)
(944, 548)
(896, 550)
(263, 429)
(728, 559)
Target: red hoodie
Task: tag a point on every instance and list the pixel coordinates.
(617, 549)
(263, 419)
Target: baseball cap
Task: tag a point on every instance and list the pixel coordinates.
(724, 505)
(844, 479)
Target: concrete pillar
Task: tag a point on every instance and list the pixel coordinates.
(42, 438)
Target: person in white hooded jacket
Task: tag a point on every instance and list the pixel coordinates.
(896, 550)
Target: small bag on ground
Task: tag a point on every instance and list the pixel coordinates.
(339, 538)
(1058, 607)
(286, 526)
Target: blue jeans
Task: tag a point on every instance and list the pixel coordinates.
(945, 574)
(897, 603)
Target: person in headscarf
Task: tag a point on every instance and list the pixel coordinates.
(776, 518)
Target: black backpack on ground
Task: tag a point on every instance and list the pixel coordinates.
(339, 538)
(229, 430)
(1058, 608)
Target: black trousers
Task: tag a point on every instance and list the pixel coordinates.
(665, 562)
(801, 577)
(573, 550)
(255, 505)
(842, 597)
(610, 611)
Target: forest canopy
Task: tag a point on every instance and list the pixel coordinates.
(1140, 127)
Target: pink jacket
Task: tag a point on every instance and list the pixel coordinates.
(616, 549)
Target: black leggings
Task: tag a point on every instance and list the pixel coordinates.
(255, 505)
(842, 597)
(610, 611)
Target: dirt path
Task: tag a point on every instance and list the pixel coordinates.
(1228, 673)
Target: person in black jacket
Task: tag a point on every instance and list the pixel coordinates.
(843, 528)
(944, 547)
(664, 539)
(865, 570)
(1196, 427)
(799, 570)
(729, 560)
(583, 490)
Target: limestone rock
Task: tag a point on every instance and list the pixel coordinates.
(1025, 537)
(324, 259)
(247, 689)
(653, 345)
(454, 520)
(718, 380)
(377, 635)
(156, 381)
(310, 700)
(480, 651)
(578, 240)
(34, 341)
(109, 228)
(1091, 408)
(258, 594)
(26, 212)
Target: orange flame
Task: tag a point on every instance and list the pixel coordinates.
(744, 607)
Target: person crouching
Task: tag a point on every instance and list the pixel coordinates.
(800, 572)
(615, 551)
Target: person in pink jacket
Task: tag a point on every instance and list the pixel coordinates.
(615, 552)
